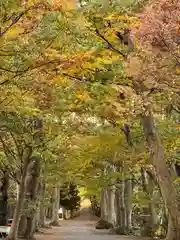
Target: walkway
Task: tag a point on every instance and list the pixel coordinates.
(80, 228)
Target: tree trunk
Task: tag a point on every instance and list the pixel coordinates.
(120, 207)
(42, 207)
(41, 211)
(56, 202)
(104, 222)
(22, 225)
(4, 197)
(31, 193)
(37, 219)
(128, 204)
(103, 205)
(171, 231)
(164, 178)
(95, 206)
(128, 194)
(151, 222)
(17, 213)
(49, 213)
(37, 214)
(111, 207)
(29, 232)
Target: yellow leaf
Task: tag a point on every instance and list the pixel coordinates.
(83, 96)
(110, 17)
(12, 33)
(64, 5)
(123, 18)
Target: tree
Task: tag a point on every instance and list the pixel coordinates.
(96, 97)
(31, 193)
(19, 141)
(69, 198)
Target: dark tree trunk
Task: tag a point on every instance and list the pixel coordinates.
(22, 225)
(32, 181)
(4, 197)
(30, 228)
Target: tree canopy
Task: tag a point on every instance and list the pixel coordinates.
(91, 88)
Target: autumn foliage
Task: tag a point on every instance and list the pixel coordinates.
(107, 105)
(160, 24)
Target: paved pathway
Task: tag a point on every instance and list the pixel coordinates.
(80, 228)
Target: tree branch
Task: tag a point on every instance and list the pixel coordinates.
(110, 46)
(7, 151)
(11, 25)
(127, 132)
(175, 109)
(5, 81)
(16, 20)
(18, 146)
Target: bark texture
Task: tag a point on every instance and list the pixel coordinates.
(55, 206)
(164, 177)
(104, 222)
(42, 206)
(111, 207)
(4, 184)
(31, 193)
(128, 204)
(120, 208)
(151, 224)
(20, 200)
(171, 234)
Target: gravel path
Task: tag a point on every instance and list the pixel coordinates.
(80, 228)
